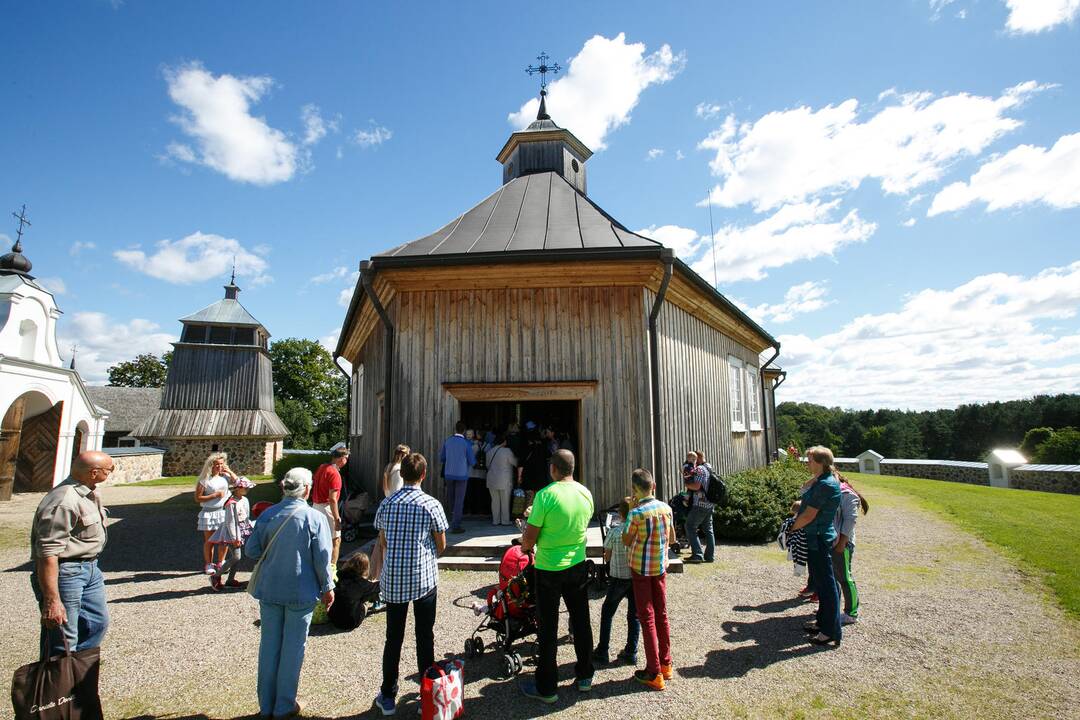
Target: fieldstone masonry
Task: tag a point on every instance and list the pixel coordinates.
(247, 456)
(1064, 479)
(129, 467)
(972, 473)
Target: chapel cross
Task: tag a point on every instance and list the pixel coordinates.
(23, 221)
(543, 68)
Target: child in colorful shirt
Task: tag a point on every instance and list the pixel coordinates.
(648, 534)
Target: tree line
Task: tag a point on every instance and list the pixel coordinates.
(310, 394)
(967, 432)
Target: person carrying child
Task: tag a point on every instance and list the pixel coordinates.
(648, 533)
(211, 491)
(619, 587)
(354, 590)
(232, 534)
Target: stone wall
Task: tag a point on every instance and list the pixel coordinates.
(1059, 481)
(971, 473)
(129, 467)
(247, 456)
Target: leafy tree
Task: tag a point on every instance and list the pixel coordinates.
(874, 439)
(310, 393)
(1061, 448)
(903, 439)
(1033, 438)
(145, 370)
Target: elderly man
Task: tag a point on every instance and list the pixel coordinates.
(67, 536)
(556, 529)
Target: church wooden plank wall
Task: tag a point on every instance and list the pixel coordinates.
(517, 336)
(695, 392)
(218, 376)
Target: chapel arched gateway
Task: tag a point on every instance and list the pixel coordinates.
(536, 302)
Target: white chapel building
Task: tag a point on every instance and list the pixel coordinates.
(48, 418)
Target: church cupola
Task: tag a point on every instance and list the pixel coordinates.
(544, 146)
(14, 262)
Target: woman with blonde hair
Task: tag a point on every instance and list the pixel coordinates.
(211, 492)
(817, 512)
(391, 483)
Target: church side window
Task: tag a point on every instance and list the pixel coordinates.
(358, 401)
(752, 404)
(737, 392)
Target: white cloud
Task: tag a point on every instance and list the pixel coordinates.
(679, 155)
(335, 274)
(55, 285)
(654, 153)
(910, 222)
(961, 14)
(225, 135)
(708, 110)
(1033, 16)
(78, 246)
(316, 126)
(792, 234)
(789, 156)
(937, 6)
(601, 87)
(1026, 174)
(330, 340)
(377, 135)
(197, 258)
(996, 336)
(103, 342)
(798, 300)
(345, 297)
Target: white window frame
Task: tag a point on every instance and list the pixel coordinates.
(753, 406)
(357, 420)
(737, 394)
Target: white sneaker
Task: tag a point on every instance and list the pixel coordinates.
(209, 569)
(846, 619)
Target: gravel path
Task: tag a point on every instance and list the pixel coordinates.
(950, 629)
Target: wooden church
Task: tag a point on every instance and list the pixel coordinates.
(218, 395)
(537, 303)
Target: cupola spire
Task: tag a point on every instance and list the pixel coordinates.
(232, 290)
(15, 262)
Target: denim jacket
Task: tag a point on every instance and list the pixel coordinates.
(296, 571)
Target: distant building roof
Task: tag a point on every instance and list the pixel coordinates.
(947, 463)
(1006, 456)
(870, 453)
(141, 450)
(127, 406)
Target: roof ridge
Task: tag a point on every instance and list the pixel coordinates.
(517, 218)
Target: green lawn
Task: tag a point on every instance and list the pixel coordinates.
(1039, 529)
(189, 481)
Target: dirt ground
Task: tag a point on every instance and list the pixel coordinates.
(949, 629)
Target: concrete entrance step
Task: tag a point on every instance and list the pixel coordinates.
(482, 539)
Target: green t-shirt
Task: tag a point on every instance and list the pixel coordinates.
(562, 511)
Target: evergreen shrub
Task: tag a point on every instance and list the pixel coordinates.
(287, 462)
(759, 500)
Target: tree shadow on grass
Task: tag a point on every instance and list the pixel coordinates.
(774, 639)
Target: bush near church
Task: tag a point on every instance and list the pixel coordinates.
(758, 500)
(288, 462)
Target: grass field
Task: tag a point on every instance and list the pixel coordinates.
(1040, 530)
(189, 481)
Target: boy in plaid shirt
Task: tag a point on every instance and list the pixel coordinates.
(648, 533)
(616, 555)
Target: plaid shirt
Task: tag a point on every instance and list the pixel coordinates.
(619, 565)
(410, 568)
(648, 524)
(698, 497)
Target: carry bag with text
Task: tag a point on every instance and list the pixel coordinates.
(442, 691)
(62, 687)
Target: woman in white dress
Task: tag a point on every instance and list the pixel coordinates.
(211, 492)
(391, 483)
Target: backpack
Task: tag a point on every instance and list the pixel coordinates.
(716, 490)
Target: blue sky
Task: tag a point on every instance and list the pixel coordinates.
(894, 185)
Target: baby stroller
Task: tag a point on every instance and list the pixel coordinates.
(510, 614)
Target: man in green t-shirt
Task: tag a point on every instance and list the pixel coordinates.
(556, 529)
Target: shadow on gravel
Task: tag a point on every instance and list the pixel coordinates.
(775, 639)
(774, 606)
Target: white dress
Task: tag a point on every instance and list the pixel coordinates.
(212, 514)
(393, 480)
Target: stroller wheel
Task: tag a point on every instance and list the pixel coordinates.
(518, 664)
(509, 667)
(478, 646)
(470, 648)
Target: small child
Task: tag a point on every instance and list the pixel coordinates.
(619, 587)
(689, 465)
(352, 592)
(232, 533)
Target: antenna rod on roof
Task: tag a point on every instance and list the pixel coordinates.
(712, 239)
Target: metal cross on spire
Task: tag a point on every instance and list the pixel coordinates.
(23, 222)
(543, 68)
(232, 280)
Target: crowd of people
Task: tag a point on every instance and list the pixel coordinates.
(295, 545)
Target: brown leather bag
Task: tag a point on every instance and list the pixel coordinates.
(62, 687)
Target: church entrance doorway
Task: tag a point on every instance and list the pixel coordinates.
(28, 444)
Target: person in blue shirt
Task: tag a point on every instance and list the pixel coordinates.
(458, 458)
(292, 543)
(817, 511)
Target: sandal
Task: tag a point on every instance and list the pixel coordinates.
(824, 640)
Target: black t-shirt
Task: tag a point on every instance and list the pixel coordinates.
(535, 464)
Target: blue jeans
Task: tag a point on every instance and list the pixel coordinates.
(82, 591)
(456, 495)
(819, 559)
(701, 518)
(616, 591)
(281, 654)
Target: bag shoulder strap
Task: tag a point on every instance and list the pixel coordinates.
(266, 550)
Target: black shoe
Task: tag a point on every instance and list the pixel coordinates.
(628, 658)
(457, 531)
(693, 560)
(600, 659)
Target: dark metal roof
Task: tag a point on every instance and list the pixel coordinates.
(223, 312)
(532, 213)
(127, 406)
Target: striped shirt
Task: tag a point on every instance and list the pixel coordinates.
(410, 567)
(648, 526)
(619, 565)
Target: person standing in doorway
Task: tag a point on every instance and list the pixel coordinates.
(648, 533)
(501, 462)
(326, 495)
(66, 539)
(412, 534)
(556, 530)
(457, 458)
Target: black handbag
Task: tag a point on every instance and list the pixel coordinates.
(62, 687)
